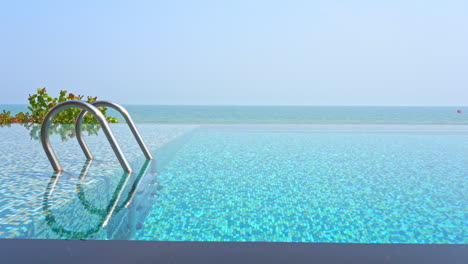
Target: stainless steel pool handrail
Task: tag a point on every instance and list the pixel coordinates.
(128, 119)
(102, 121)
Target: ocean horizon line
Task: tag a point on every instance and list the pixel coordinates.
(227, 105)
(263, 114)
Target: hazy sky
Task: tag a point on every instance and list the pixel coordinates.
(356, 52)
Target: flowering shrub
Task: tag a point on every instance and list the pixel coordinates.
(40, 103)
(7, 118)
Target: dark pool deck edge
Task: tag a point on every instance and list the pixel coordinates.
(121, 251)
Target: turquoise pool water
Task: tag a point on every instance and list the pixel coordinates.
(241, 184)
(277, 183)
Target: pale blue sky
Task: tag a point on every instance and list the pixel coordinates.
(260, 52)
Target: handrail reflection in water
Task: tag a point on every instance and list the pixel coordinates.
(104, 214)
(92, 209)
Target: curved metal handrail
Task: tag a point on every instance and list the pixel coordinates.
(102, 121)
(128, 119)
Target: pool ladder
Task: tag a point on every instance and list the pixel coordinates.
(93, 109)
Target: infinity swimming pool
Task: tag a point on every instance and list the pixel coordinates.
(277, 183)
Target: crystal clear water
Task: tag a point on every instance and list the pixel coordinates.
(289, 114)
(304, 183)
(244, 184)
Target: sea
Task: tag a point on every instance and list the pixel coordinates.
(201, 114)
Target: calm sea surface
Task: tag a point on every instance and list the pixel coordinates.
(289, 114)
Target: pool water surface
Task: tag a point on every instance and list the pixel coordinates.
(282, 183)
(302, 186)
